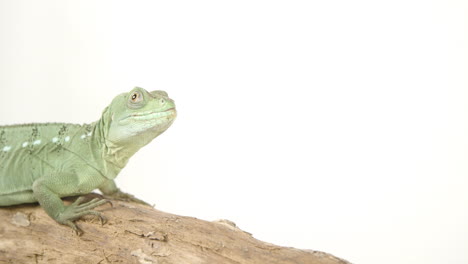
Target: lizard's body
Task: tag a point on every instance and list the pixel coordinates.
(43, 162)
(45, 149)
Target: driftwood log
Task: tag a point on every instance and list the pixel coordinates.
(138, 234)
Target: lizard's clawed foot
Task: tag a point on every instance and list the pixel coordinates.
(78, 209)
(119, 195)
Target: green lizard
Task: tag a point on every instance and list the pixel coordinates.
(44, 162)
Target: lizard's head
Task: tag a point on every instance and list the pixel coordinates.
(139, 116)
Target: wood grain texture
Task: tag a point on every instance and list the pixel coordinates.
(138, 234)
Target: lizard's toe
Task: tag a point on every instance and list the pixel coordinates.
(75, 228)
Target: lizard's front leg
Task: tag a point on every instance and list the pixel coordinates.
(45, 190)
(109, 188)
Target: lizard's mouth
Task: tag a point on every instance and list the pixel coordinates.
(168, 114)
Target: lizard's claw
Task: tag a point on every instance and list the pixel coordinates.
(78, 209)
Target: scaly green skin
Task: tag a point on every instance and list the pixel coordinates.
(44, 162)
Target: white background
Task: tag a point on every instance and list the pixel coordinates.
(339, 126)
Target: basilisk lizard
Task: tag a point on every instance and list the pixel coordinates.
(44, 162)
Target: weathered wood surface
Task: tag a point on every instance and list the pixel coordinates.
(138, 234)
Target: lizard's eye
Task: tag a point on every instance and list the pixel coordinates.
(136, 97)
